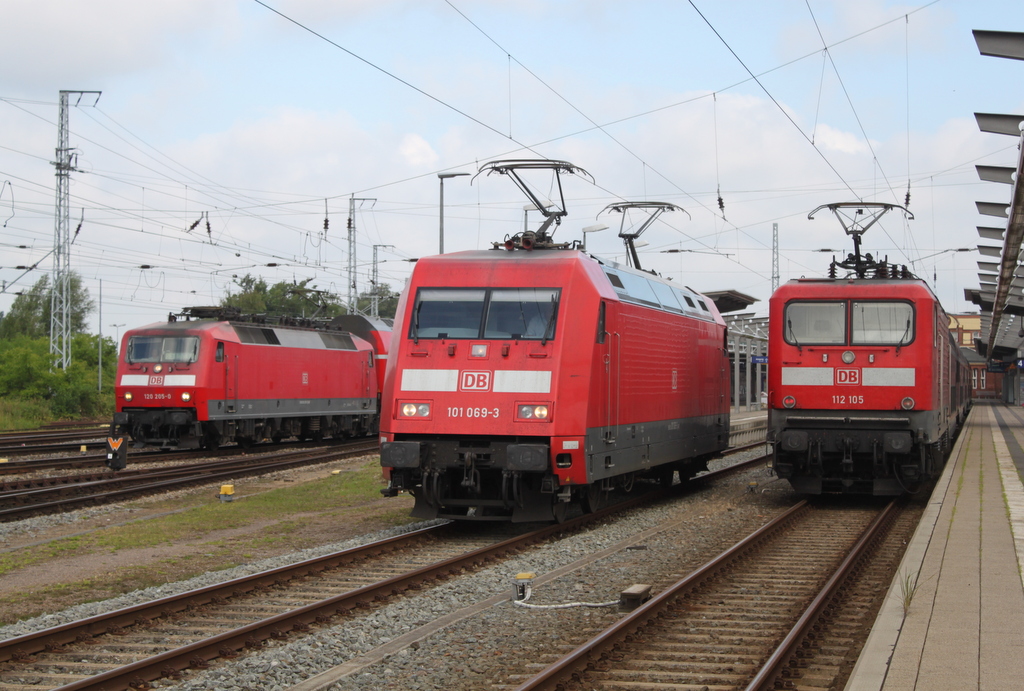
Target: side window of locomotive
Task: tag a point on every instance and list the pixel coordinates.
(447, 313)
(219, 357)
(688, 300)
(638, 290)
(522, 313)
(666, 296)
(815, 323)
(601, 332)
(882, 323)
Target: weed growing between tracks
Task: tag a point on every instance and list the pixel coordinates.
(193, 534)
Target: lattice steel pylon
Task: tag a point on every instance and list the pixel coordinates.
(353, 293)
(60, 290)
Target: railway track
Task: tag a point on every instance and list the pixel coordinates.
(131, 647)
(755, 614)
(33, 467)
(61, 493)
(46, 441)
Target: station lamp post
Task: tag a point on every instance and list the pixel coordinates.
(441, 178)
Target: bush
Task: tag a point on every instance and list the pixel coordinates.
(26, 376)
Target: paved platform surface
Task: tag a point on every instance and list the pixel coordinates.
(962, 626)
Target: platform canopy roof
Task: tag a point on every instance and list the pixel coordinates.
(730, 300)
(1000, 291)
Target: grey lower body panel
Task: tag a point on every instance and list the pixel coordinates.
(229, 409)
(613, 451)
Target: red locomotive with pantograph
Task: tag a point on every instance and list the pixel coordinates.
(210, 375)
(867, 387)
(533, 376)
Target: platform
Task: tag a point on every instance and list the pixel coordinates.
(962, 627)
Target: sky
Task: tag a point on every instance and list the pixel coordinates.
(226, 133)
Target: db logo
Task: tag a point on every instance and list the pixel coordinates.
(847, 376)
(475, 381)
(156, 381)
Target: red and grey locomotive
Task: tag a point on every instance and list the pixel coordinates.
(213, 376)
(867, 387)
(533, 376)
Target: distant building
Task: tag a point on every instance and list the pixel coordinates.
(984, 384)
(966, 327)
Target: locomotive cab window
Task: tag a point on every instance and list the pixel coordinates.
(528, 313)
(815, 323)
(182, 349)
(447, 313)
(519, 313)
(881, 323)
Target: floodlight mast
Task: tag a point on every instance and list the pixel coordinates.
(855, 227)
(654, 209)
(552, 213)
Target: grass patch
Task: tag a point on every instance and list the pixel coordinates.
(273, 522)
(16, 414)
(282, 507)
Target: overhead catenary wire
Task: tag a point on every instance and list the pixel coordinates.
(856, 116)
(257, 207)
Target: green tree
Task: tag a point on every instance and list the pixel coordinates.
(26, 374)
(283, 299)
(387, 301)
(30, 311)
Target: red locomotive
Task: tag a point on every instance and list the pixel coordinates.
(867, 387)
(213, 377)
(532, 376)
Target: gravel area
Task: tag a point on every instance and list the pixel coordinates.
(484, 649)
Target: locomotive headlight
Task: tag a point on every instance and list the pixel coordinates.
(158, 368)
(849, 357)
(532, 411)
(186, 396)
(907, 403)
(416, 410)
(789, 402)
(128, 395)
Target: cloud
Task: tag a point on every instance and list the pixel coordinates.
(831, 139)
(416, 151)
(87, 42)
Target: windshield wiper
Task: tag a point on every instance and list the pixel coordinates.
(551, 320)
(789, 323)
(416, 323)
(906, 333)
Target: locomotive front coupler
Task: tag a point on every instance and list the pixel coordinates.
(470, 475)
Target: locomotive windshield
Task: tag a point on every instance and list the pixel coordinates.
(882, 323)
(815, 323)
(162, 349)
(871, 323)
(519, 313)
